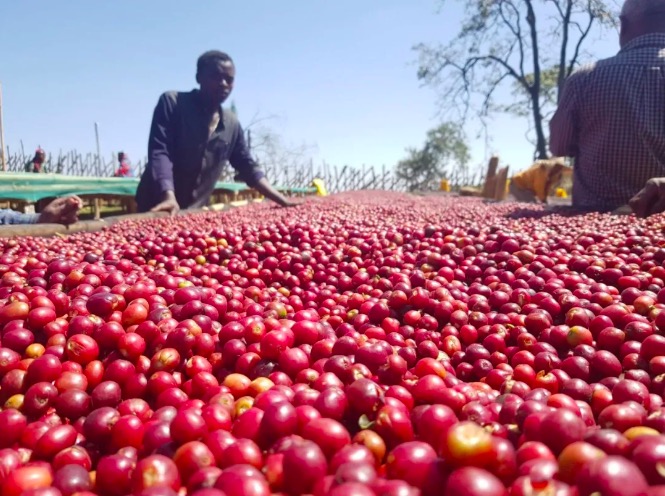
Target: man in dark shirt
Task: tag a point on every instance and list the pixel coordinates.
(192, 138)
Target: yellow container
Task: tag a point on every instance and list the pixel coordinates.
(445, 185)
(320, 187)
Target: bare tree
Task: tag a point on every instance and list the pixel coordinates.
(529, 46)
(283, 162)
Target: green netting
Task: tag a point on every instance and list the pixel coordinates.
(34, 187)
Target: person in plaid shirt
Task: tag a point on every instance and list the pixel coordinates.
(611, 118)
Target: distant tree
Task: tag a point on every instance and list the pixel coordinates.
(283, 162)
(445, 152)
(508, 42)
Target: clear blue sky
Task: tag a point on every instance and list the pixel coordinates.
(340, 75)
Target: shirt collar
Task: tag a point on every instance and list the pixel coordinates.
(648, 40)
(197, 97)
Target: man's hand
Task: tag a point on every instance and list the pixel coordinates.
(291, 203)
(169, 204)
(61, 211)
(651, 199)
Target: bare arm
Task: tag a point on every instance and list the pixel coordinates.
(266, 189)
(249, 172)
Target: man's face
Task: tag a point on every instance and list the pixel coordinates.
(216, 81)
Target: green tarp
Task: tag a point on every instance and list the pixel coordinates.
(34, 187)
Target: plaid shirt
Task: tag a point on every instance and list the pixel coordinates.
(611, 119)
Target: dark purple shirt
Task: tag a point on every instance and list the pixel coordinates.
(183, 157)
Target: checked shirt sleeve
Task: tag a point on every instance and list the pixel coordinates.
(563, 126)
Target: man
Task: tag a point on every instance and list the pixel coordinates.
(611, 115)
(37, 163)
(60, 211)
(534, 184)
(192, 138)
(124, 170)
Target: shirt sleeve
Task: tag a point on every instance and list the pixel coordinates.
(10, 217)
(242, 161)
(161, 139)
(563, 126)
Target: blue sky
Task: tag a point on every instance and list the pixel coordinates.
(339, 75)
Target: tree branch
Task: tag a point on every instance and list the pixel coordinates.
(491, 90)
(472, 61)
(534, 92)
(578, 45)
(565, 19)
(516, 30)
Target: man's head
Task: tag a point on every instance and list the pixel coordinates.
(640, 17)
(40, 155)
(215, 73)
(121, 156)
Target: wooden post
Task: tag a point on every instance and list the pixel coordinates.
(3, 158)
(97, 208)
(99, 157)
(488, 192)
(500, 185)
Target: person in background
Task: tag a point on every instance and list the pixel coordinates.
(610, 118)
(191, 139)
(124, 170)
(37, 164)
(535, 183)
(60, 211)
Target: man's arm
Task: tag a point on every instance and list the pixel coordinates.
(160, 158)
(249, 172)
(563, 126)
(649, 200)
(62, 210)
(11, 217)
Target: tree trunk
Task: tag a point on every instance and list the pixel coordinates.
(563, 56)
(541, 142)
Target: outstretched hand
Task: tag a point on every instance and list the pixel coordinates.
(292, 203)
(169, 205)
(651, 199)
(61, 211)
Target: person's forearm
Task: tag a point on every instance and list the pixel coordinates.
(162, 171)
(267, 190)
(11, 217)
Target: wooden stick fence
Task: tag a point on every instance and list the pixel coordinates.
(70, 163)
(298, 174)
